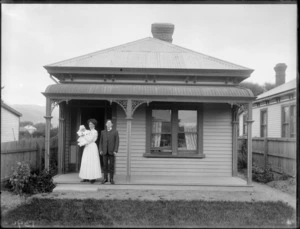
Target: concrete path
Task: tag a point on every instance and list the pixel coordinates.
(259, 192)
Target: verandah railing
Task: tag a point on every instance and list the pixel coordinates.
(280, 153)
(30, 150)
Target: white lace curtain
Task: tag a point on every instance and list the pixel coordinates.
(156, 129)
(190, 138)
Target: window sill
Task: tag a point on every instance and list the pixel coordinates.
(174, 156)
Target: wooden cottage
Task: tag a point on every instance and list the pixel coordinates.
(175, 110)
(274, 112)
(10, 123)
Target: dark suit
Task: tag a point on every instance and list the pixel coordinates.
(109, 143)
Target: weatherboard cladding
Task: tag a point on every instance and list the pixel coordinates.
(148, 53)
(148, 90)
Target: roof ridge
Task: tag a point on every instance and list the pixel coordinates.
(97, 52)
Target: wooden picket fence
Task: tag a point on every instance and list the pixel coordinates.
(30, 150)
(280, 153)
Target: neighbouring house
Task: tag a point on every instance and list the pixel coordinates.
(10, 123)
(175, 110)
(274, 112)
(274, 127)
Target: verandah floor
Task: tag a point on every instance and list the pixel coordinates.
(71, 181)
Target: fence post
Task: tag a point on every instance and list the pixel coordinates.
(265, 152)
(37, 163)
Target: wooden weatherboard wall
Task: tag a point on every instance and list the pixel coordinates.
(9, 126)
(217, 146)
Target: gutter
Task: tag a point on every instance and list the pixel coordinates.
(53, 79)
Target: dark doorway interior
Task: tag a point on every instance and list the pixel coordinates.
(98, 113)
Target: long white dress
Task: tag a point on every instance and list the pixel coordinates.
(90, 163)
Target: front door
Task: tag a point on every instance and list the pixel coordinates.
(81, 112)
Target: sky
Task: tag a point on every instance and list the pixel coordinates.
(35, 35)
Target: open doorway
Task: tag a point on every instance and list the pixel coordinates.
(98, 113)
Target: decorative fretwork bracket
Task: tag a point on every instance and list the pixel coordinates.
(56, 102)
(122, 103)
(129, 106)
(241, 107)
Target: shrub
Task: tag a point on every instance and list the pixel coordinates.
(40, 182)
(31, 182)
(20, 177)
(284, 176)
(242, 156)
(262, 175)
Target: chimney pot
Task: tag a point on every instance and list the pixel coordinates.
(163, 31)
(280, 73)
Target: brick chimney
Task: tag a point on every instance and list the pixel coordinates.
(163, 31)
(280, 73)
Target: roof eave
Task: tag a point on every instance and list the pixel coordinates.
(275, 95)
(10, 109)
(243, 73)
(209, 99)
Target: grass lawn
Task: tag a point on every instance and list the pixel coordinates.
(125, 213)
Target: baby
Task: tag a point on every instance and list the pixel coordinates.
(81, 133)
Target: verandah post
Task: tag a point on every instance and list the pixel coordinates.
(265, 152)
(47, 132)
(60, 139)
(249, 150)
(128, 124)
(234, 141)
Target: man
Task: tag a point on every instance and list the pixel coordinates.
(108, 147)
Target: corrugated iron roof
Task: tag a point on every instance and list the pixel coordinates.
(5, 106)
(148, 53)
(149, 90)
(280, 89)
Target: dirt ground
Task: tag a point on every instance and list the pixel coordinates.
(286, 186)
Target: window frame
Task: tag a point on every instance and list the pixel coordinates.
(289, 122)
(265, 110)
(175, 107)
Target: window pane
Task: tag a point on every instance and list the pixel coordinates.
(264, 117)
(161, 140)
(285, 114)
(187, 128)
(293, 122)
(187, 121)
(284, 130)
(161, 121)
(187, 141)
(263, 131)
(263, 124)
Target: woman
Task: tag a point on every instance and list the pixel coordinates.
(90, 168)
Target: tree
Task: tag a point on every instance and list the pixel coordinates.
(269, 86)
(25, 123)
(257, 89)
(254, 87)
(40, 130)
